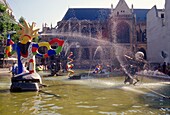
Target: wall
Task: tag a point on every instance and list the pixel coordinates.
(155, 38)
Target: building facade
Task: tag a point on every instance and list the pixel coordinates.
(158, 34)
(8, 10)
(93, 34)
(2, 41)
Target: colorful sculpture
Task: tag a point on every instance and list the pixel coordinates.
(136, 63)
(70, 65)
(26, 50)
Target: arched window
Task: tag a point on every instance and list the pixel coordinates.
(93, 32)
(85, 30)
(74, 27)
(75, 52)
(144, 39)
(123, 32)
(85, 54)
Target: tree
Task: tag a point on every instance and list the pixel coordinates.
(2, 8)
(7, 24)
(21, 20)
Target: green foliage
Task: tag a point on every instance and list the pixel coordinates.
(36, 40)
(7, 24)
(2, 8)
(21, 20)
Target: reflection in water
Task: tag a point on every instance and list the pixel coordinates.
(107, 96)
(40, 104)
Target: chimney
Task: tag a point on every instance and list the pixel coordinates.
(132, 8)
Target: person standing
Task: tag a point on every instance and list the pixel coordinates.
(164, 68)
(14, 69)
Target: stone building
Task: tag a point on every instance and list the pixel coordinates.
(93, 34)
(158, 34)
(2, 46)
(8, 10)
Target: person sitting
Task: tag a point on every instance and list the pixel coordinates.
(108, 68)
(14, 69)
(98, 69)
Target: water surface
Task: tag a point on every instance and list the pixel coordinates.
(99, 96)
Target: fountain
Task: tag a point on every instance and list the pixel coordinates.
(29, 80)
(92, 95)
(100, 48)
(119, 50)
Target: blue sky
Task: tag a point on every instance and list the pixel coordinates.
(52, 11)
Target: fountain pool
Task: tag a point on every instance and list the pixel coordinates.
(105, 96)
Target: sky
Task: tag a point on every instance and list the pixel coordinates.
(52, 11)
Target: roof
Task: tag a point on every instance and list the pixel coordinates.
(141, 14)
(87, 14)
(99, 14)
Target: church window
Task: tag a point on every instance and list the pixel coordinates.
(162, 15)
(74, 27)
(138, 36)
(123, 33)
(93, 31)
(85, 53)
(75, 52)
(85, 30)
(144, 36)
